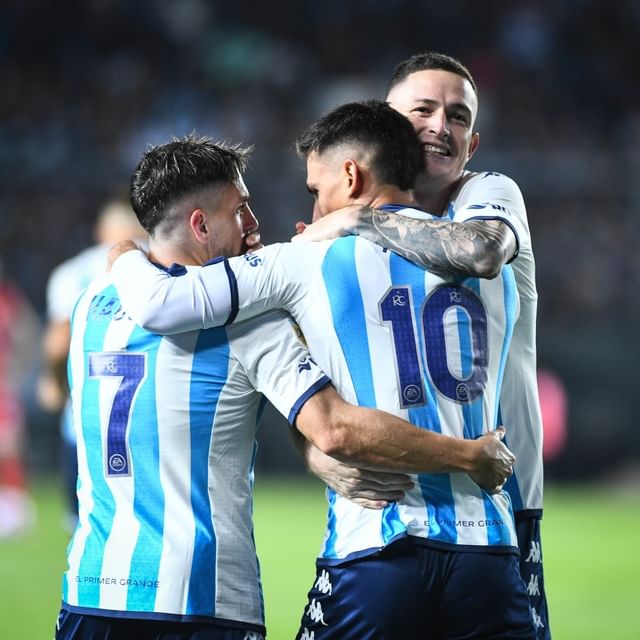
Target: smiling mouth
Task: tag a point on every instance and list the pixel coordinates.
(440, 152)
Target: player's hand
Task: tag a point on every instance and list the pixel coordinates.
(253, 241)
(118, 249)
(367, 488)
(49, 394)
(494, 461)
(334, 225)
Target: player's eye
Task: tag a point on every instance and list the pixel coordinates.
(460, 117)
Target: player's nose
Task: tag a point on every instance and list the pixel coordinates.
(250, 222)
(438, 123)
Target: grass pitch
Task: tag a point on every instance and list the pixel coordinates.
(589, 542)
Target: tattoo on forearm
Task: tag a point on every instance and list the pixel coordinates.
(441, 246)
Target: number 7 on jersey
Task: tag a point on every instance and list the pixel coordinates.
(131, 369)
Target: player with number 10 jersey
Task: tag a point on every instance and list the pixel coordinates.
(391, 336)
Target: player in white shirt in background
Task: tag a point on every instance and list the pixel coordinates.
(440, 98)
(393, 336)
(116, 221)
(166, 427)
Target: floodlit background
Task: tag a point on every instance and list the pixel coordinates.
(86, 85)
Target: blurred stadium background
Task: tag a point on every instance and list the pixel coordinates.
(87, 85)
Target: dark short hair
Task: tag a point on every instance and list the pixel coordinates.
(373, 125)
(168, 172)
(430, 60)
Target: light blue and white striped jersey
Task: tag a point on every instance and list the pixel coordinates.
(491, 195)
(166, 448)
(391, 336)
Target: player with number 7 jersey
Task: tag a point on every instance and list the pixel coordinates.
(166, 451)
(391, 336)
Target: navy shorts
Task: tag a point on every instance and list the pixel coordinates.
(528, 530)
(409, 590)
(77, 626)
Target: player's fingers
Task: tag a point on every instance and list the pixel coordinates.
(300, 227)
(372, 494)
(381, 489)
(508, 456)
(117, 250)
(252, 240)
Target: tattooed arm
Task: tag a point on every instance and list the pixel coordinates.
(474, 248)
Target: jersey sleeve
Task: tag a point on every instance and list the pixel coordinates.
(493, 196)
(164, 302)
(219, 293)
(276, 361)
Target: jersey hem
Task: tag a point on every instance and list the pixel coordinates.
(168, 617)
(426, 542)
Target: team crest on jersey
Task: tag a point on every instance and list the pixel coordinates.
(298, 331)
(455, 296)
(399, 300)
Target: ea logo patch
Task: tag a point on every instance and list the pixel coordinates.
(117, 463)
(462, 392)
(411, 393)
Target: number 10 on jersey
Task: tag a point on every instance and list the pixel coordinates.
(454, 339)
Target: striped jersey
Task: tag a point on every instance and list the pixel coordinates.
(166, 448)
(492, 195)
(391, 336)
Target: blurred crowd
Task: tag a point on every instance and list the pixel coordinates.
(88, 85)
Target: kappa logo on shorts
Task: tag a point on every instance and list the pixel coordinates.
(535, 555)
(537, 619)
(253, 635)
(533, 589)
(315, 612)
(307, 635)
(323, 583)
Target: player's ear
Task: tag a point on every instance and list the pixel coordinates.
(198, 225)
(475, 143)
(353, 177)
